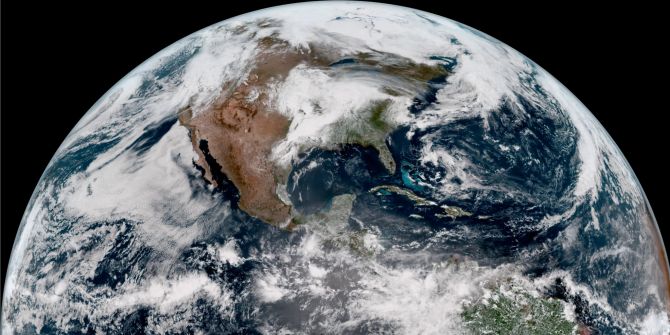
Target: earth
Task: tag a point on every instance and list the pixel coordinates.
(338, 167)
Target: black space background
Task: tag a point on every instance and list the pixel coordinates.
(58, 58)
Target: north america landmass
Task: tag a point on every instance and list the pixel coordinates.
(234, 137)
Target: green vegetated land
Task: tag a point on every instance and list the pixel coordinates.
(517, 313)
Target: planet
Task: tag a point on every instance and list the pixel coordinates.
(338, 168)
